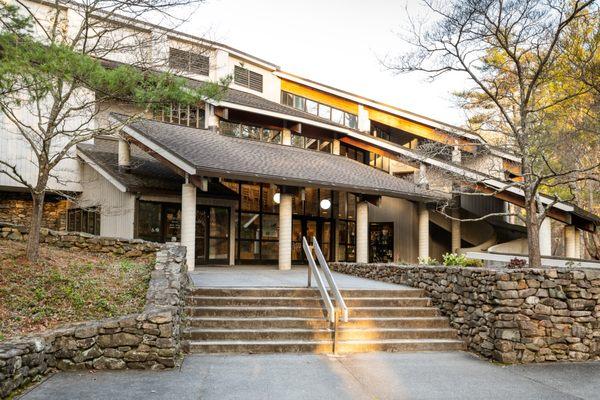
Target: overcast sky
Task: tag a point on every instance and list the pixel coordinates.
(335, 42)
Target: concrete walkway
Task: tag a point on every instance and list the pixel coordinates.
(455, 375)
(270, 276)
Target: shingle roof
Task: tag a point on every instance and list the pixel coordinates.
(147, 175)
(251, 100)
(213, 154)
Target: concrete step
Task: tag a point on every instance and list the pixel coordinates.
(320, 346)
(398, 345)
(256, 322)
(394, 333)
(403, 292)
(393, 312)
(300, 292)
(254, 301)
(254, 292)
(303, 312)
(258, 346)
(396, 322)
(308, 312)
(258, 334)
(305, 301)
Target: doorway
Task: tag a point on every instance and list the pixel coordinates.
(212, 235)
(311, 227)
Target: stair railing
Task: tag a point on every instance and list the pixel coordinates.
(341, 304)
(312, 268)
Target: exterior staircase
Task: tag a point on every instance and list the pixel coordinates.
(271, 320)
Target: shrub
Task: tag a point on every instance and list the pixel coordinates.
(460, 260)
(428, 261)
(516, 263)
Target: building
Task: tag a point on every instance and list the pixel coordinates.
(242, 179)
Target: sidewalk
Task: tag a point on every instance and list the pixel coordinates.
(432, 375)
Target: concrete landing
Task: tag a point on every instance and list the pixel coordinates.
(434, 375)
(270, 276)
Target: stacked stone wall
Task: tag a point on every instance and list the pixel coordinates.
(508, 315)
(147, 340)
(15, 210)
(81, 240)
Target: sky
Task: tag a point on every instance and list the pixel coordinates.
(336, 42)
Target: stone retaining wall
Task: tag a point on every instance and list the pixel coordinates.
(508, 315)
(17, 210)
(148, 340)
(81, 240)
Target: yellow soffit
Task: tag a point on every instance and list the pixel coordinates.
(319, 96)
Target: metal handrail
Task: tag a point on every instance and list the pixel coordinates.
(341, 304)
(312, 266)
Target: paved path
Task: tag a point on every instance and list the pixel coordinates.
(371, 376)
(270, 276)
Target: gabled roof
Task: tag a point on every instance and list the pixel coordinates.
(206, 153)
(146, 174)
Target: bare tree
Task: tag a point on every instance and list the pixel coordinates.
(511, 51)
(62, 62)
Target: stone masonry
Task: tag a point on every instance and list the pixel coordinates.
(148, 340)
(18, 211)
(508, 315)
(82, 240)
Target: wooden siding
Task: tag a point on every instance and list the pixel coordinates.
(404, 216)
(319, 96)
(116, 207)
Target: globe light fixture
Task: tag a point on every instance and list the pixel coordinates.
(277, 198)
(325, 204)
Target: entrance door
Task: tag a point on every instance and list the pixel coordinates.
(212, 235)
(310, 227)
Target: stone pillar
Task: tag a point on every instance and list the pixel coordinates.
(285, 231)
(572, 242)
(188, 223)
(362, 232)
(423, 230)
(546, 237)
(286, 136)
(124, 154)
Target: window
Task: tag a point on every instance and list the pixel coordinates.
(250, 132)
(84, 220)
(379, 162)
(353, 153)
(188, 61)
(322, 110)
(246, 78)
(179, 114)
(317, 144)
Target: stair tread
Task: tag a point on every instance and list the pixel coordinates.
(258, 342)
(253, 319)
(350, 319)
(237, 330)
(325, 341)
(399, 341)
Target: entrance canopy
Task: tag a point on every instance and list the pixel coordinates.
(210, 154)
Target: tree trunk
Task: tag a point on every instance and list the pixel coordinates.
(533, 234)
(33, 241)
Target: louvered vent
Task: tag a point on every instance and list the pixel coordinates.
(188, 61)
(247, 78)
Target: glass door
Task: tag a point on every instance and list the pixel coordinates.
(212, 235)
(310, 227)
(201, 235)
